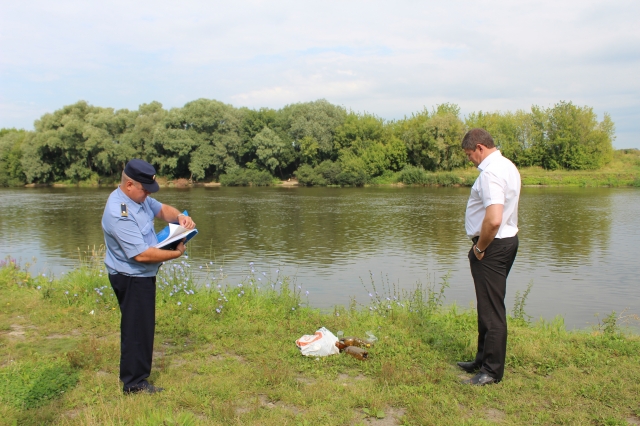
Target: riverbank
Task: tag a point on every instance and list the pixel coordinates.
(226, 355)
(623, 171)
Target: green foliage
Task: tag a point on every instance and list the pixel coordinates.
(11, 147)
(518, 312)
(217, 362)
(308, 176)
(206, 139)
(32, 384)
(564, 136)
(433, 138)
(246, 177)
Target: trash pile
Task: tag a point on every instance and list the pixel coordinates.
(325, 343)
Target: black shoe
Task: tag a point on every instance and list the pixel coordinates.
(147, 388)
(480, 379)
(469, 367)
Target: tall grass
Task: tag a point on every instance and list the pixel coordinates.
(224, 352)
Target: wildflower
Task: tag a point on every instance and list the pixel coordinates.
(207, 285)
(201, 267)
(179, 303)
(186, 257)
(250, 263)
(299, 288)
(38, 287)
(264, 274)
(388, 306)
(259, 279)
(210, 263)
(370, 295)
(293, 309)
(307, 292)
(219, 286)
(217, 310)
(75, 295)
(242, 292)
(388, 299)
(66, 292)
(44, 275)
(277, 271)
(337, 314)
(240, 285)
(189, 308)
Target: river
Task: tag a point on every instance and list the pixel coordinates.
(577, 245)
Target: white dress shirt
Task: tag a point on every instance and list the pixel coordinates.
(498, 183)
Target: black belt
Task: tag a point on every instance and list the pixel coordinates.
(475, 239)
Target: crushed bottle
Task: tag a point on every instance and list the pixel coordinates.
(354, 341)
(357, 353)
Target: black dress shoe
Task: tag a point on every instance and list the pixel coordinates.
(480, 379)
(144, 389)
(469, 367)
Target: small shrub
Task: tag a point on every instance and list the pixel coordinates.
(308, 176)
(412, 175)
(329, 171)
(518, 312)
(246, 177)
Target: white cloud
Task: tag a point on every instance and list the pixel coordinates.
(391, 59)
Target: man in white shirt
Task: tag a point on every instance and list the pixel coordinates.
(491, 222)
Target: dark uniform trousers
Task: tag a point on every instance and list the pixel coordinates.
(490, 279)
(137, 300)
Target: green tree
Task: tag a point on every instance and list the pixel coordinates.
(11, 144)
(575, 139)
(433, 138)
(317, 120)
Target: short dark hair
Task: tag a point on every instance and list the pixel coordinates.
(475, 137)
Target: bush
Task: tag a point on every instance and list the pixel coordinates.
(246, 177)
(412, 175)
(329, 171)
(308, 176)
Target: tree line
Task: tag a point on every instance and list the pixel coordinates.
(318, 142)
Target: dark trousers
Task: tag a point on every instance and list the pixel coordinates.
(137, 300)
(490, 279)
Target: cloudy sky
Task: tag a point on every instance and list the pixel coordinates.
(387, 58)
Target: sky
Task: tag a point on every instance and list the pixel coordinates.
(390, 59)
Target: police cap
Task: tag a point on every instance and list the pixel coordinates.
(143, 172)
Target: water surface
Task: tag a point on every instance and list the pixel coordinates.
(576, 244)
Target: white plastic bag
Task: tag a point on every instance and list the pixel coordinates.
(322, 343)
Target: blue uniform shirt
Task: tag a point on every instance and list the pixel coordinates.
(126, 236)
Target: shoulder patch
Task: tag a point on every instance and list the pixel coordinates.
(123, 210)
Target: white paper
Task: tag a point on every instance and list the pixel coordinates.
(176, 232)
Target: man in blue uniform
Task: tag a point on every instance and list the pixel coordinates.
(133, 262)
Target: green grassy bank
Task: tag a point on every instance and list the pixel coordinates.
(225, 354)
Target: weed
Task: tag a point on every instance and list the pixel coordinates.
(518, 312)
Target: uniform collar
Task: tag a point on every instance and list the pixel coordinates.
(488, 160)
(132, 204)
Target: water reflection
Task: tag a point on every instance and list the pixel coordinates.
(576, 243)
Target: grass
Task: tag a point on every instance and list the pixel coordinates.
(225, 354)
(623, 170)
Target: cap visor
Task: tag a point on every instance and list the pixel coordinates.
(151, 187)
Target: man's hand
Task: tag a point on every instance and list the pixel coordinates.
(171, 215)
(186, 221)
(479, 256)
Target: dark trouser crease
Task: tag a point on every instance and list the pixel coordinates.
(490, 279)
(137, 300)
